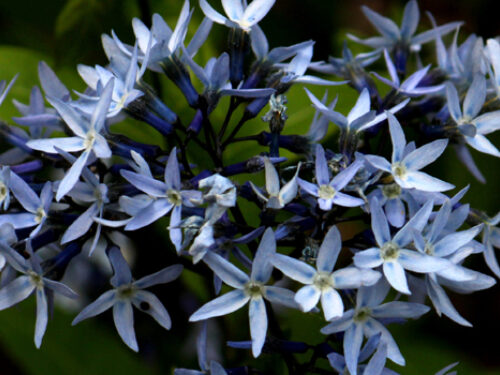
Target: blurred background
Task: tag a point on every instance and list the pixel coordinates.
(65, 33)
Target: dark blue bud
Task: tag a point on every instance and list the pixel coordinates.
(238, 47)
(255, 107)
(177, 72)
(28, 167)
(197, 122)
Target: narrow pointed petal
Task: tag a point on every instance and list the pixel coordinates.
(398, 309)
(172, 173)
(81, 225)
(425, 155)
(150, 304)
(16, 291)
(411, 17)
(487, 122)
(353, 278)
(122, 274)
(294, 268)
(166, 275)
(150, 214)
(345, 176)
(145, 183)
(222, 305)
(258, 324)
(76, 122)
(72, 175)
(272, 178)
(379, 162)
(442, 303)
(482, 144)
(397, 137)
(476, 94)
(42, 316)
(262, 265)
(384, 25)
(353, 339)
(417, 222)
(212, 13)
(24, 193)
(282, 296)
(422, 181)
(256, 11)
(101, 304)
(380, 227)
(361, 107)
(453, 102)
(452, 242)
(228, 272)
(329, 250)
(344, 200)
(69, 144)
(123, 316)
(321, 166)
(395, 275)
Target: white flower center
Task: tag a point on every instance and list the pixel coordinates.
(174, 197)
(389, 251)
(253, 289)
(399, 170)
(391, 191)
(361, 315)
(40, 215)
(326, 192)
(323, 281)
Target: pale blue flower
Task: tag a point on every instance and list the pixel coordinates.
(168, 196)
(391, 251)
(403, 37)
(4, 88)
(127, 292)
(362, 320)
(88, 137)
(239, 14)
(276, 197)
(328, 190)
(406, 168)
(410, 86)
(323, 282)
(37, 207)
(32, 280)
(250, 290)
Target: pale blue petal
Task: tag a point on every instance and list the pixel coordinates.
(256, 11)
(487, 122)
(177, 37)
(101, 304)
(361, 107)
(475, 97)
(19, 221)
(172, 173)
(122, 274)
(344, 200)
(59, 288)
(101, 147)
(123, 316)
(379, 162)
(422, 263)
(422, 181)
(397, 137)
(353, 339)
(72, 175)
(175, 232)
(329, 250)
(380, 227)
(81, 225)
(340, 324)
(272, 178)
(345, 176)
(442, 303)
(399, 309)
(482, 144)
(260, 46)
(69, 144)
(332, 304)
(228, 272)
(154, 307)
(396, 212)
(163, 276)
(16, 291)
(395, 275)
(409, 24)
(321, 167)
(452, 242)
(145, 183)
(222, 305)
(279, 295)
(386, 27)
(212, 13)
(373, 327)
(258, 324)
(307, 297)
(425, 155)
(453, 102)
(308, 187)
(42, 316)
(294, 268)
(149, 214)
(353, 278)
(262, 265)
(76, 122)
(23, 193)
(369, 258)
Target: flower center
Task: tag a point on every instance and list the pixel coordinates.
(126, 291)
(3, 191)
(399, 170)
(89, 139)
(253, 289)
(40, 215)
(361, 315)
(174, 197)
(391, 191)
(323, 281)
(389, 251)
(326, 192)
(429, 248)
(35, 279)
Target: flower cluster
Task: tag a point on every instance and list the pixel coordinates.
(80, 196)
